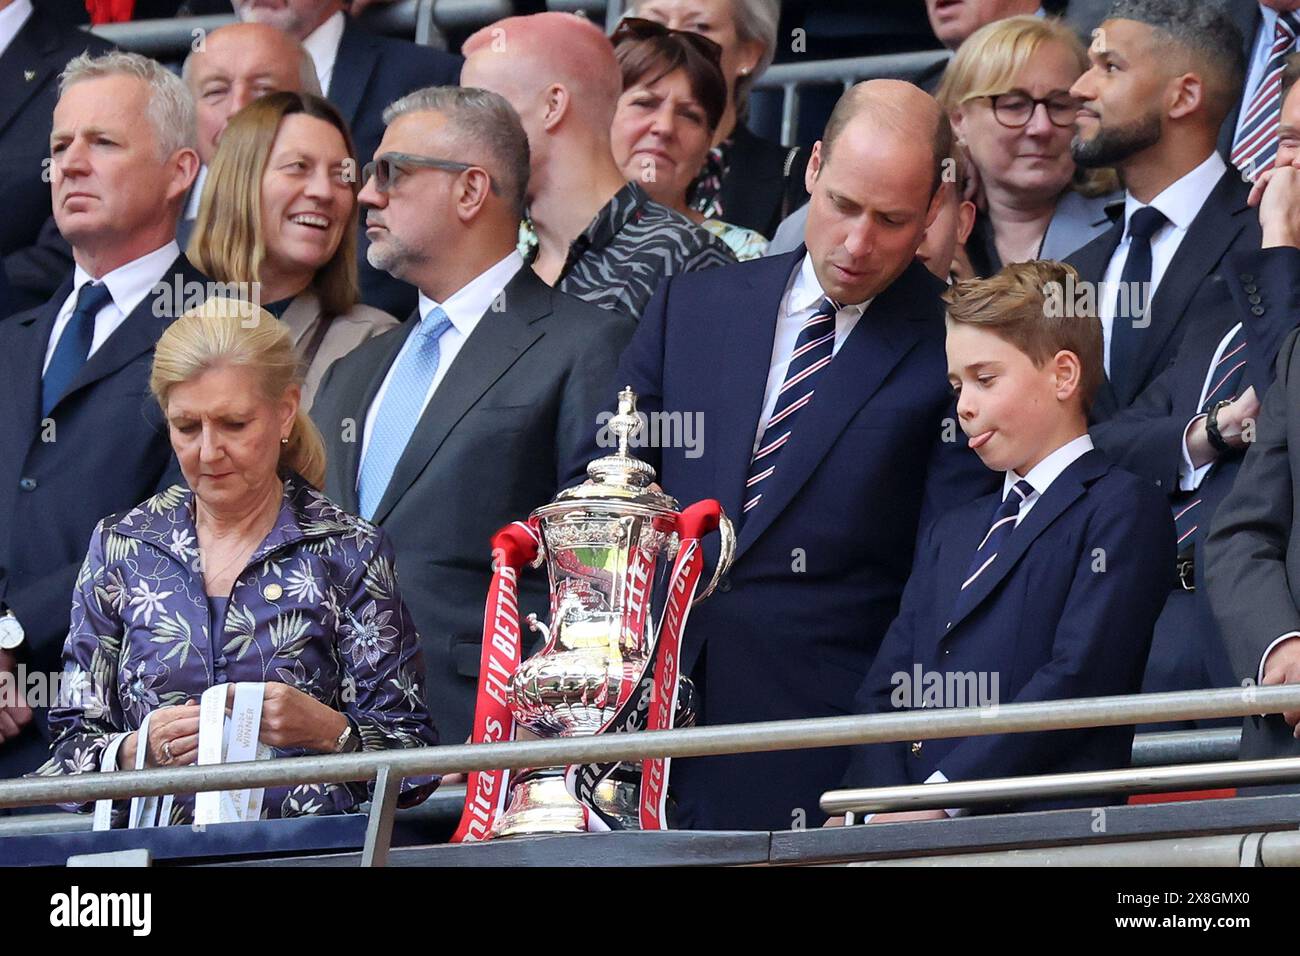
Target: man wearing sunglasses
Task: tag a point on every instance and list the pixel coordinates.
(600, 237)
(468, 416)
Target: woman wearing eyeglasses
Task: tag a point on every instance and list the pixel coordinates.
(673, 98)
(1007, 91)
(279, 208)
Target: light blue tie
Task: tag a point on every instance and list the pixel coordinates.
(400, 410)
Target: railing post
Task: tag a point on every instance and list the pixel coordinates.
(379, 827)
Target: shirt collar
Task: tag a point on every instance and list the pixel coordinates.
(12, 19)
(1181, 201)
(466, 305)
(323, 45)
(129, 284)
(806, 291)
(1042, 475)
(610, 220)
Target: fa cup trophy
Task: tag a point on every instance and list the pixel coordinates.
(609, 664)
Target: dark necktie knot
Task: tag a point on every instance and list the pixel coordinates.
(1144, 223)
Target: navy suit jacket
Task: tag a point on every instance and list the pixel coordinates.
(1047, 619)
(821, 563)
(1192, 292)
(107, 450)
(370, 72)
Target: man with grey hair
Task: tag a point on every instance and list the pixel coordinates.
(79, 435)
(233, 66)
(468, 416)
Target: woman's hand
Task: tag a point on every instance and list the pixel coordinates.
(173, 739)
(291, 718)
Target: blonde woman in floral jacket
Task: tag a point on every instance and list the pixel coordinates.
(251, 576)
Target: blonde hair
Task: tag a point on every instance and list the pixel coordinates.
(987, 65)
(231, 332)
(1013, 305)
(227, 243)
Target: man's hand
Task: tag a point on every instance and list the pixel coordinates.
(1232, 426)
(13, 717)
(1277, 194)
(1282, 666)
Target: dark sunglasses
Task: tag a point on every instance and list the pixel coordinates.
(635, 28)
(390, 167)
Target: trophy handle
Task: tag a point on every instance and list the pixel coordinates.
(726, 554)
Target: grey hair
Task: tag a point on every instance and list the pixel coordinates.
(1206, 30)
(485, 123)
(756, 20)
(171, 110)
(307, 78)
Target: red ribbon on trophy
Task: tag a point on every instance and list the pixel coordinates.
(695, 522)
(513, 547)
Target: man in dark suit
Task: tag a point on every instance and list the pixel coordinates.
(1270, 30)
(80, 436)
(33, 49)
(360, 73)
(467, 417)
(827, 488)
(1041, 591)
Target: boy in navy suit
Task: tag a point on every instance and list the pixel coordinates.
(1046, 590)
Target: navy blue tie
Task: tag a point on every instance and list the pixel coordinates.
(74, 345)
(1004, 522)
(1132, 302)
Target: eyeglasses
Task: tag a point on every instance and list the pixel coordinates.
(390, 167)
(636, 28)
(1015, 109)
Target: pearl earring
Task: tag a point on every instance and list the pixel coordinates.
(284, 441)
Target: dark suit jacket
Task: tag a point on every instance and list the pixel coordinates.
(822, 561)
(1253, 553)
(370, 72)
(1043, 622)
(106, 451)
(514, 413)
(29, 75)
(764, 182)
(1192, 292)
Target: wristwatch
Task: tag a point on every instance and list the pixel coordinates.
(11, 632)
(348, 740)
(1217, 441)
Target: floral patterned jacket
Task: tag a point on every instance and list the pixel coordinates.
(317, 606)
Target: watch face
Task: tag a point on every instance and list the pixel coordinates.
(11, 633)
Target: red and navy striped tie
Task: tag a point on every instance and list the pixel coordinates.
(1004, 522)
(1256, 144)
(813, 350)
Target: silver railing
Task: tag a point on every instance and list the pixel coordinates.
(387, 768)
(790, 78)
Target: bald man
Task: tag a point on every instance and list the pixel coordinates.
(600, 237)
(235, 65)
(820, 383)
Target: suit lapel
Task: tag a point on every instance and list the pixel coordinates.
(884, 334)
(1213, 230)
(28, 361)
(1064, 491)
(302, 317)
(747, 344)
(495, 344)
(356, 60)
(26, 57)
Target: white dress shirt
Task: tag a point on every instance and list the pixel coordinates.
(12, 19)
(127, 284)
(1189, 475)
(1180, 202)
(465, 308)
(1259, 58)
(323, 45)
(802, 297)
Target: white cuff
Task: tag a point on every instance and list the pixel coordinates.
(938, 777)
(1259, 678)
(1189, 476)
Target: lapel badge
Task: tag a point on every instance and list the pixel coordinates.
(29, 75)
(272, 592)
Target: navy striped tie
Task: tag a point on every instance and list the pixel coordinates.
(1004, 522)
(1256, 145)
(1227, 381)
(813, 350)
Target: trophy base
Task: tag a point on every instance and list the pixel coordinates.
(540, 804)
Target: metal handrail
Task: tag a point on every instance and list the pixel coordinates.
(693, 742)
(968, 793)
